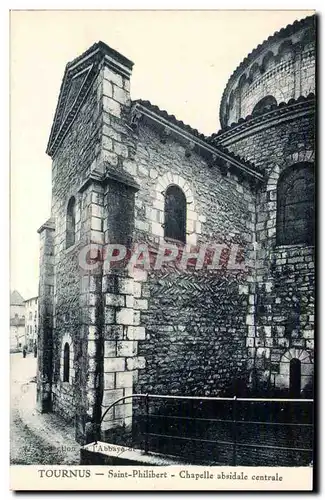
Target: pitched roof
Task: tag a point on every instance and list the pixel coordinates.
(16, 299)
(225, 153)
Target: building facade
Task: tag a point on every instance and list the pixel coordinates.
(31, 321)
(17, 321)
(128, 175)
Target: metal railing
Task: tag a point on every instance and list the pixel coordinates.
(293, 417)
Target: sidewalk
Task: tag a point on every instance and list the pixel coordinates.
(36, 438)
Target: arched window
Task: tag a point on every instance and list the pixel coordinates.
(295, 205)
(295, 378)
(71, 222)
(175, 214)
(264, 105)
(66, 362)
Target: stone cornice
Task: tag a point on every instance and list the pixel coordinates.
(194, 140)
(49, 224)
(303, 106)
(121, 177)
(100, 47)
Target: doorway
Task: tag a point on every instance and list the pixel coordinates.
(295, 378)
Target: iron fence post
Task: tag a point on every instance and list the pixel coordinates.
(146, 442)
(234, 430)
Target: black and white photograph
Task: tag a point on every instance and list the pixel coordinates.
(162, 282)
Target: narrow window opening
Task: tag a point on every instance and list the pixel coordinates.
(71, 223)
(66, 362)
(175, 214)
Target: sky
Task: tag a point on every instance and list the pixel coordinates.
(182, 62)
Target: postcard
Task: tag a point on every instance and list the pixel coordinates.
(162, 250)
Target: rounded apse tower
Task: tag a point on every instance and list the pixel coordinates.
(267, 116)
(280, 69)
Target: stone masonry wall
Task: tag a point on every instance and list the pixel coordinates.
(45, 314)
(193, 338)
(87, 302)
(72, 165)
(282, 325)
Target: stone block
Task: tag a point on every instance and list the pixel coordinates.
(136, 318)
(307, 369)
(159, 205)
(153, 173)
(136, 333)
(97, 237)
(137, 290)
(109, 315)
(114, 365)
(250, 320)
(243, 290)
(120, 95)
(141, 304)
(284, 368)
(96, 224)
(126, 348)
(111, 133)
(112, 107)
(114, 300)
(136, 363)
(91, 348)
(283, 342)
(113, 77)
(109, 348)
(114, 332)
(129, 301)
(120, 149)
(142, 171)
(109, 381)
(107, 143)
(124, 379)
(251, 331)
(92, 332)
(110, 396)
(125, 285)
(308, 334)
(130, 167)
(157, 229)
(125, 316)
(107, 88)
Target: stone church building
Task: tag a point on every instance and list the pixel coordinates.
(126, 172)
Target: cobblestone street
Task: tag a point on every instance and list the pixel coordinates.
(36, 438)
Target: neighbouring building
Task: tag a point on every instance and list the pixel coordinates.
(31, 321)
(125, 172)
(17, 321)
